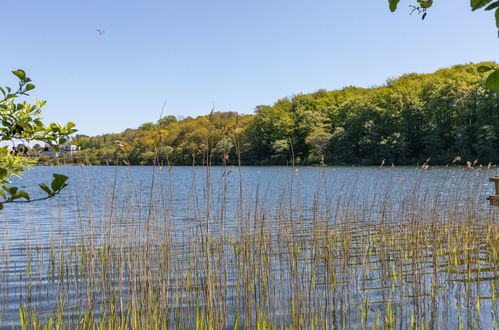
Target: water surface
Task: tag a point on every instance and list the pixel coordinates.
(104, 201)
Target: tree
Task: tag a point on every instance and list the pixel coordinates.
(272, 124)
(439, 115)
(319, 141)
(492, 81)
(167, 120)
(21, 122)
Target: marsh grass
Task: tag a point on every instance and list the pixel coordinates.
(257, 259)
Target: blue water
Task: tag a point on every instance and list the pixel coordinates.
(127, 197)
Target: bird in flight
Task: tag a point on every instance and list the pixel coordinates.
(100, 31)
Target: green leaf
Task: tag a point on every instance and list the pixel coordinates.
(24, 194)
(59, 182)
(13, 190)
(492, 5)
(21, 194)
(1, 206)
(60, 177)
(3, 173)
(29, 87)
(425, 3)
(393, 4)
(497, 17)
(20, 74)
(492, 81)
(484, 68)
(46, 189)
(476, 4)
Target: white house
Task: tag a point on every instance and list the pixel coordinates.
(68, 148)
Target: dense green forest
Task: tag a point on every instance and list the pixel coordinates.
(407, 120)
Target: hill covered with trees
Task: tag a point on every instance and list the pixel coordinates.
(407, 120)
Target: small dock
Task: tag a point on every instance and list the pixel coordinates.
(494, 199)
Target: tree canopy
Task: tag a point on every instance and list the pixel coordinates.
(492, 81)
(407, 120)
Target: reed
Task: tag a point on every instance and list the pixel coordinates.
(256, 259)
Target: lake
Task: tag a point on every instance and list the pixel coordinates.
(234, 247)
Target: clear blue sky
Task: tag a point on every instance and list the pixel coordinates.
(238, 54)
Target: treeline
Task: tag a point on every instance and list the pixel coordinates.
(405, 121)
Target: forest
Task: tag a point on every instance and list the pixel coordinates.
(445, 116)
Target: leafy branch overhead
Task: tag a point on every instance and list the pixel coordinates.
(57, 185)
(21, 121)
(492, 81)
(474, 4)
(14, 195)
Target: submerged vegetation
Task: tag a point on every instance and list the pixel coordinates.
(412, 118)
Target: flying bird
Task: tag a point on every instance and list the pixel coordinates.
(100, 31)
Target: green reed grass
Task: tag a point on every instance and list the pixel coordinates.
(422, 264)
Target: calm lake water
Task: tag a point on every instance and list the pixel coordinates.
(92, 188)
(99, 196)
(96, 183)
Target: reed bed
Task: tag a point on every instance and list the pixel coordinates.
(259, 259)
